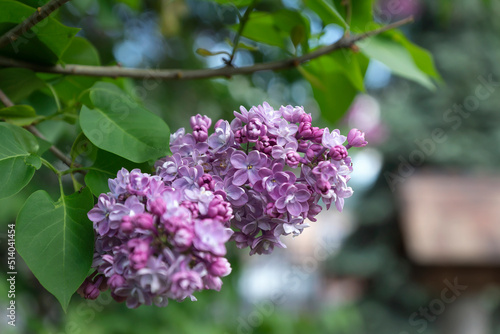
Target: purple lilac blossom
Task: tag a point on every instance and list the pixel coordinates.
(163, 236)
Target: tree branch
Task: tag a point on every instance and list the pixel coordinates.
(177, 74)
(60, 155)
(30, 22)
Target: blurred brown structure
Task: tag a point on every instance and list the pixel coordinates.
(451, 227)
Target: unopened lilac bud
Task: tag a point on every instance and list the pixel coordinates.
(239, 137)
(199, 120)
(254, 129)
(144, 221)
(265, 144)
(157, 206)
(317, 135)
(305, 118)
(305, 130)
(220, 267)
(338, 152)
(127, 226)
(139, 254)
(356, 138)
(90, 287)
(312, 151)
(116, 281)
(200, 133)
(192, 207)
(292, 159)
(92, 292)
(206, 181)
(303, 146)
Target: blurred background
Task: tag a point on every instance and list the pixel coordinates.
(417, 249)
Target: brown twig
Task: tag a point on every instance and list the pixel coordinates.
(176, 74)
(60, 155)
(40, 14)
(243, 22)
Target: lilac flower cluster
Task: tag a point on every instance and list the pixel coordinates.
(263, 175)
(158, 240)
(273, 165)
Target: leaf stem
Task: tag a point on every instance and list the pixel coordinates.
(76, 170)
(51, 167)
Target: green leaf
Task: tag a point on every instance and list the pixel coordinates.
(327, 11)
(120, 125)
(275, 28)
(44, 43)
(20, 115)
(396, 57)
(56, 241)
(298, 34)
(335, 79)
(18, 159)
(422, 58)
(81, 52)
(19, 83)
(106, 166)
(82, 145)
(361, 14)
(43, 145)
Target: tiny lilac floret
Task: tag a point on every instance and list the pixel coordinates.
(356, 138)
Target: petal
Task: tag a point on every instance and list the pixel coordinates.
(281, 177)
(253, 158)
(263, 172)
(280, 203)
(96, 215)
(302, 195)
(339, 203)
(294, 208)
(278, 152)
(253, 175)
(240, 177)
(234, 192)
(103, 227)
(238, 160)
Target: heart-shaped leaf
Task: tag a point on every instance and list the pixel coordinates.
(56, 241)
(18, 158)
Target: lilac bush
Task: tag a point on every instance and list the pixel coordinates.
(163, 236)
